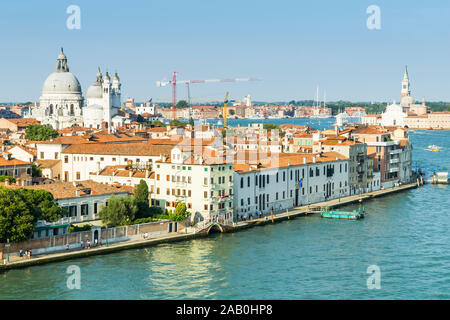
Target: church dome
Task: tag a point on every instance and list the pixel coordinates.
(94, 91)
(61, 82)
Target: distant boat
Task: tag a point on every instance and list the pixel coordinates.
(433, 148)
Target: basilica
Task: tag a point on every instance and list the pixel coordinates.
(62, 104)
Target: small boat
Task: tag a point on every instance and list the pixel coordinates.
(440, 177)
(348, 215)
(433, 148)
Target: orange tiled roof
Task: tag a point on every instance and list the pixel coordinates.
(64, 190)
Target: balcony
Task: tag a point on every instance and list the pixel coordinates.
(395, 151)
(395, 169)
(396, 160)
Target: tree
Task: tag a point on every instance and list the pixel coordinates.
(37, 132)
(182, 104)
(140, 119)
(141, 198)
(177, 123)
(157, 123)
(20, 209)
(191, 122)
(180, 213)
(3, 178)
(35, 171)
(232, 112)
(119, 211)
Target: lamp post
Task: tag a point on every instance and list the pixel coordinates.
(8, 245)
(106, 235)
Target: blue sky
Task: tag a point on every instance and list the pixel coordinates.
(292, 45)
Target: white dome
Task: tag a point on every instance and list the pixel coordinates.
(94, 91)
(61, 82)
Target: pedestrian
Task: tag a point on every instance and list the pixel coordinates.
(67, 247)
(95, 242)
(88, 243)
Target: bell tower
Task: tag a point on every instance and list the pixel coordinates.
(406, 90)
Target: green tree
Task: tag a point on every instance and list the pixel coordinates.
(157, 123)
(177, 123)
(120, 211)
(232, 112)
(182, 104)
(20, 209)
(191, 122)
(39, 132)
(11, 179)
(180, 213)
(35, 171)
(141, 198)
(140, 119)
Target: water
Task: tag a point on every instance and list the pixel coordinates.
(405, 234)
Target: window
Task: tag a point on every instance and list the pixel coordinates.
(56, 155)
(205, 181)
(189, 193)
(72, 211)
(205, 194)
(78, 175)
(113, 159)
(102, 159)
(91, 158)
(242, 183)
(248, 181)
(84, 209)
(95, 207)
(277, 177)
(42, 155)
(168, 178)
(157, 177)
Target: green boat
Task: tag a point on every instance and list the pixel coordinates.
(348, 215)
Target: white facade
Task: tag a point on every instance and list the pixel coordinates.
(278, 189)
(103, 102)
(146, 107)
(61, 101)
(207, 189)
(393, 116)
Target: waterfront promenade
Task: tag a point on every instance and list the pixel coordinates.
(191, 233)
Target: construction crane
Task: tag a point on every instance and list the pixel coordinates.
(174, 83)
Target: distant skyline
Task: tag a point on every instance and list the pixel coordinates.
(293, 46)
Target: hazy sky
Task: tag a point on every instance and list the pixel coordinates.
(292, 45)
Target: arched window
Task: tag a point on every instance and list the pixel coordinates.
(72, 110)
(51, 109)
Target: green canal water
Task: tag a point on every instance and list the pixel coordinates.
(406, 235)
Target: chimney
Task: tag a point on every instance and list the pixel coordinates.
(77, 193)
(304, 160)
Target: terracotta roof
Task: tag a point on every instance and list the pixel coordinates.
(47, 163)
(122, 171)
(22, 122)
(137, 149)
(64, 190)
(12, 162)
(285, 160)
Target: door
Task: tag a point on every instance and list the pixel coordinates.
(296, 197)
